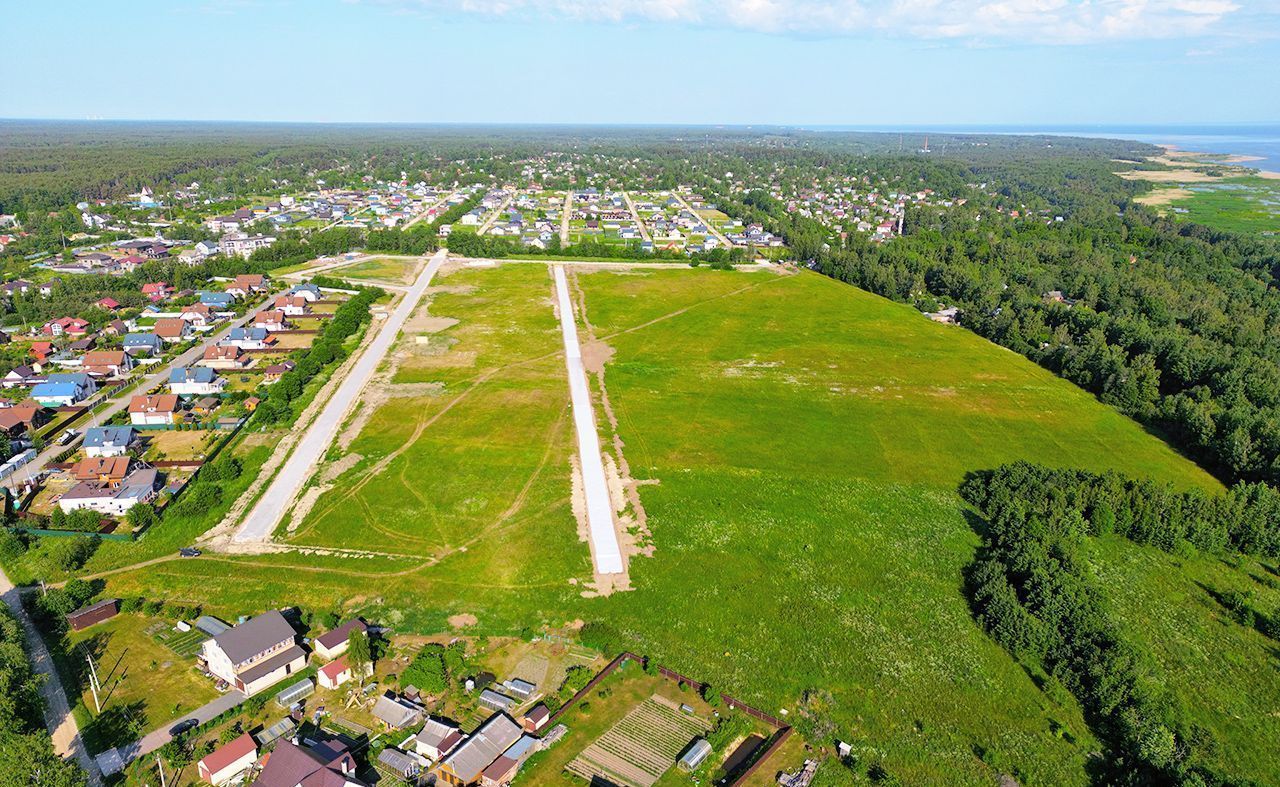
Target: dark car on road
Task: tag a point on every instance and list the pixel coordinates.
(189, 552)
(183, 726)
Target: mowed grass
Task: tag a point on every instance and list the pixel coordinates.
(806, 440)
(141, 679)
(396, 271)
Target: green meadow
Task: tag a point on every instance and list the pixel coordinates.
(800, 442)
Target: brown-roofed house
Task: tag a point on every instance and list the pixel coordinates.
(107, 363)
(333, 643)
(104, 469)
(172, 329)
(156, 410)
(220, 357)
(18, 420)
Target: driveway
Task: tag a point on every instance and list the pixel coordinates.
(57, 711)
(295, 471)
(159, 737)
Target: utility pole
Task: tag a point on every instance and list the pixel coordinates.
(160, 767)
(93, 681)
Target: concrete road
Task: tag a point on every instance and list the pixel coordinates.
(427, 210)
(285, 487)
(484, 227)
(122, 401)
(159, 737)
(605, 550)
(565, 213)
(57, 711)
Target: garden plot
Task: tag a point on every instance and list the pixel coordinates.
(636, 751)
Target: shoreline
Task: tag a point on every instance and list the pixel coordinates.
(1200, 158)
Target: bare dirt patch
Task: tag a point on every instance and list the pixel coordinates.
(462, 620)
(1161, 197)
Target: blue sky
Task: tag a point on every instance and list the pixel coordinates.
(854, 62)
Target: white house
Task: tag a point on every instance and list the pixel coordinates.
(256, 654)
(195, 381)
(226, 763)
(109, 498)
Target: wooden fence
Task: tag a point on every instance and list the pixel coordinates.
(782, 731)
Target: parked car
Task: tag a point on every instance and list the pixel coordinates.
(189, 552)
(67, 436)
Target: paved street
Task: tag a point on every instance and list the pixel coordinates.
(159, 737)
(288, 483)
(605, 549)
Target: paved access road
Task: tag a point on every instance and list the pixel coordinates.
(285, 487)
(157, 738)
(57, 711)
(604, 536)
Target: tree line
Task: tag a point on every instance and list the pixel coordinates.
(1034, 592)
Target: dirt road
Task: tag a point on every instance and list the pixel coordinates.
(288, 483)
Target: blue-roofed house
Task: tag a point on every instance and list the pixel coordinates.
(108, 440)
(216, 300)
(143, 344)
(247, 338)
(195, 381)
(64, 390)
(57, 394)
(306, 290)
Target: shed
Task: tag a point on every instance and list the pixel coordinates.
(93, 613)
(695, 755)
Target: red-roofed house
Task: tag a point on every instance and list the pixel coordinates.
(110, 304)
(72, 326)
(157, 290)
(230, 761)
(335, 673)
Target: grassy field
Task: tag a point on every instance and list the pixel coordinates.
(804, 440)
(141, 679)
(396, 271)
(1243, 204)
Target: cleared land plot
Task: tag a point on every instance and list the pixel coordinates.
(396, 271)
(636, 751)
(806, 439)
(173, 444)
(468, 449)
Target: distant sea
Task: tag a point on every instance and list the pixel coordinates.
(1252, 139)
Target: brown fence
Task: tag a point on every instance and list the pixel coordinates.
(780, 736)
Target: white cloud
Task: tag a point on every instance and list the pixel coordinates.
(1028, 21)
